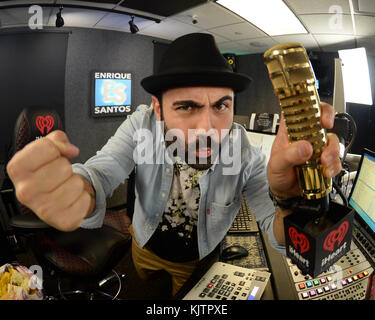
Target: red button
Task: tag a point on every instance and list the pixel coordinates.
(208, 211)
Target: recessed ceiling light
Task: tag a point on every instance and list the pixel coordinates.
(271, 16)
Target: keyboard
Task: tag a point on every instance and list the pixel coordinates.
(225, 281)
(245, 220)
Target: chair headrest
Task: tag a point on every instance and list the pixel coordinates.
(34, 123)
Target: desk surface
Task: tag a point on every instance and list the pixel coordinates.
(202, 268)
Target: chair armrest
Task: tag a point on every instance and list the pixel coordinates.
(27, 223)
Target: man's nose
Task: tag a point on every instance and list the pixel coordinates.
(204, 120)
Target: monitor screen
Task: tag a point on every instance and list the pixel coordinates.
(362, 197)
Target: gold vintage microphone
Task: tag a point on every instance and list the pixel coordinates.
(294, 81)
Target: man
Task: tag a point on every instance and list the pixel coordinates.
(186, 201)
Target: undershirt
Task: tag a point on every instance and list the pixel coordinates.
(175, 238)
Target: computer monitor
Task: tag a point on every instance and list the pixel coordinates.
(362, 196)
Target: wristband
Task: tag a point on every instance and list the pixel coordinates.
(284, 203)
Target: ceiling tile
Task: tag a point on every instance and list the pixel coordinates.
(257, 45)
(230, 47)
(318, 6)
(365, 25)
(210, 15)
(218, 39)
(238, 31)
(332, 42)
(307, 40)
(168, 29)
(328, 23)
(121, 22)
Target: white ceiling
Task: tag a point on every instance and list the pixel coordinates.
(331, 24)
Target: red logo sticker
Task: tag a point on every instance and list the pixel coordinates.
(299, 239)
(336, 236)
(44, 122)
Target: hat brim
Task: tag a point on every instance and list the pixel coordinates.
(157, 83)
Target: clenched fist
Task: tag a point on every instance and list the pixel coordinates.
(44, 182)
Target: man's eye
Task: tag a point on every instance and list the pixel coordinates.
(221, 107)
(185, 108)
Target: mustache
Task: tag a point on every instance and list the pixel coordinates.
(201, 141)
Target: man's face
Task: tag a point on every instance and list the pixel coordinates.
(204, 115)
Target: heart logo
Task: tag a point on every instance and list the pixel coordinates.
(44, 122)
(299, 239)
(336, 236)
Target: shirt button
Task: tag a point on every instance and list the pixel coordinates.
(163, 195)
(157, 214)
(168, 170)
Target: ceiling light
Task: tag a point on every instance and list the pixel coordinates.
(271, 16)
(133, 27)
(59, 18)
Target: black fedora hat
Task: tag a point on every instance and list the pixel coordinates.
(194, 60)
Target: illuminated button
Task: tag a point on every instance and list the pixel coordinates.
(304, 295)
(350, 270)
(323, 280)
(355, 278)
(329, 278)
(309, 284)
(333, 286)
(361, 275)
(343, 282)
(319, 290)
(312, 293)
(210, 285)
(365, 273)
(350, 280)
(316, 282)
(302, 286)
(326, 289)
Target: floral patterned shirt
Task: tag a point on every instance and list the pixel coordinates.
(176, 236)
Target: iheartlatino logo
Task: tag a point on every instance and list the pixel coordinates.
(46, 122)
(336, 236)
(299, 239)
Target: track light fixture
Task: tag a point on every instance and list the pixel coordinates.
(133, 27)
(59, 18)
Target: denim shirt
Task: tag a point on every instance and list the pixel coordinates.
(220, 193)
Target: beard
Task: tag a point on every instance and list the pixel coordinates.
(200, 151)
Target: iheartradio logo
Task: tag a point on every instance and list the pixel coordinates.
(299, 240)
(336, 236)
(46, 122)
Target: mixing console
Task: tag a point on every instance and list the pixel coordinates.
(345, 280)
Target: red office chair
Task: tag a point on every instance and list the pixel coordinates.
(88, 255)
